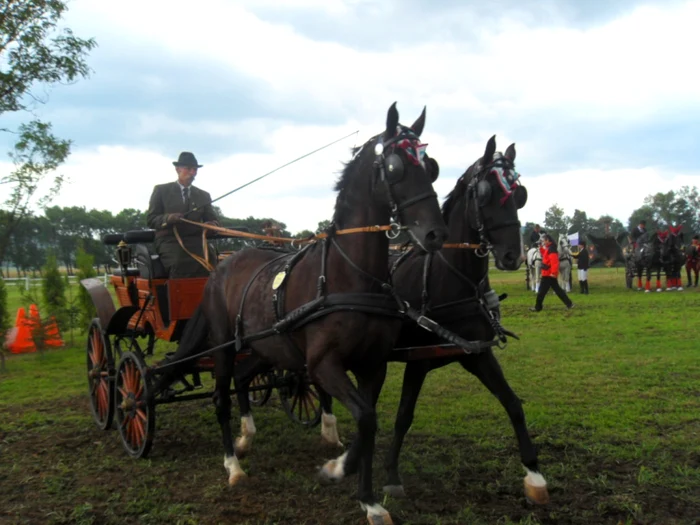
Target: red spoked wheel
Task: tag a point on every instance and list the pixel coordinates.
(100, 371)
(259, 397)
(300, 399)
(136, 416)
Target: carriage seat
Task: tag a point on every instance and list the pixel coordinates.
(148, 262)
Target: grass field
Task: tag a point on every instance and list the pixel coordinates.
(612, 399)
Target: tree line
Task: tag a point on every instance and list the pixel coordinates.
(62, 231)
(659, 210)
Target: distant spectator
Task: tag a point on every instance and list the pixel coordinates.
(550, 272)
(583, 263)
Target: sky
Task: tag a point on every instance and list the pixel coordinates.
(600, 97)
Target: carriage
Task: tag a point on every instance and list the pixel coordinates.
(121, 341)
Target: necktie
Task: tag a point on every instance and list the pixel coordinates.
(186, 197)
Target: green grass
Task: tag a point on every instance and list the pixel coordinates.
(611, 392)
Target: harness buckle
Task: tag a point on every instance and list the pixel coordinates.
(394, 232)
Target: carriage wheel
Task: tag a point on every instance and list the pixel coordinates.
(259, 397)
(300, 399)
(136, 417)
(100, 371)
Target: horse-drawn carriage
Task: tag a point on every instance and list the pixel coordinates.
(338, 305)
(120, 339)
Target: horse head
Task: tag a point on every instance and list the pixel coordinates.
(564, 245)
(492, 195)
(401, 184)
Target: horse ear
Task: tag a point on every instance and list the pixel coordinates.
(510, 152)
(419, 124)
(490, 150)
(392, 121)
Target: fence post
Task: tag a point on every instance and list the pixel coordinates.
(105, 278)
(26, 282)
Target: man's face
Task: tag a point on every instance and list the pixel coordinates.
(186, 174)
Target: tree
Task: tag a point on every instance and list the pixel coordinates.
(555, 222)
(86, 308)
(579, 223)
(54, 291)
(323, 226)
(34, 53)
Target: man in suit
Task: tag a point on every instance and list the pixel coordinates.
(640, 230)
(535, 235)
(171, 202)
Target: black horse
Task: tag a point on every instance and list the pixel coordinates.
(329, 308)
(452, 288)
(647, 259)
(673, 258)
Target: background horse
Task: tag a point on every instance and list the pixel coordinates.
(692, 264)
(565, 262)
(452, 288)
(672, 258)
(534, 265)
(647, 258)
(325, 310)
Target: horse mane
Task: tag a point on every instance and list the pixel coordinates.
(346, 177)
(457, 192)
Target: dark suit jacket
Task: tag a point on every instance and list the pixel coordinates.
(167, 199)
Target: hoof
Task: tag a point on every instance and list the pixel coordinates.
(377, 515)
(333, 470)
(243, 446)
(536, 489)
(331, 444)
(395, 491)
(237, 479)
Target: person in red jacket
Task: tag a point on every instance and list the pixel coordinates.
(550, 272)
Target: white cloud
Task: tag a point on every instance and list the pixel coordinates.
(623, 72)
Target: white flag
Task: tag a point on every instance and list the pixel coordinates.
(573, 239)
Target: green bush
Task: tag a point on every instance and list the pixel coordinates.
(5, 322)
(85, 264)
(54, 291)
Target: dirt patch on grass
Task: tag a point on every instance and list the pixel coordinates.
(61, 469)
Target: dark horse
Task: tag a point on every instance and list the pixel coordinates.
(692, 263)
(673, 258)
(327, 309)
(647, 258)
(452, 288)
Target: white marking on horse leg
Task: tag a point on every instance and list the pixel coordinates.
(376, 514)
(245, 442)
(334, 470)
(536, 487)
(235, 472)
(329, 430)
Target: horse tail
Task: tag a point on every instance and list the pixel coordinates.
(194, 339)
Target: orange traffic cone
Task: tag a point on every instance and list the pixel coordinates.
(52, 337)
(20, 340)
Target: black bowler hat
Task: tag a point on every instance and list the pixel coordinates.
(187, 159)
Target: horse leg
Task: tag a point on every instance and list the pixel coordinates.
(361, 404)
(329, 423)
(485, 367)
(687, 272)
(697, 273)
(413, 378)
(223, 370)
(247, 371)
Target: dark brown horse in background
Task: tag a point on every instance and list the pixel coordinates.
(327, 309)
(452, 288)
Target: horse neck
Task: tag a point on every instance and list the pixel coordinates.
(466, 261)
(368, 251)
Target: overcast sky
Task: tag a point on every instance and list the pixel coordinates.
(600, 96)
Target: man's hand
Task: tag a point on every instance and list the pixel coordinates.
(174, 217)
(546, 266)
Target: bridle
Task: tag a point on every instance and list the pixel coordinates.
(390, 170)
(480, 192)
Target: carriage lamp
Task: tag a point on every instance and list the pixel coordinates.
(124, 254)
